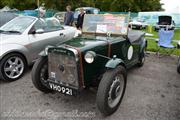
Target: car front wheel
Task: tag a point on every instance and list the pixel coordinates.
(40, 74)
(111, 90)
(12, 67)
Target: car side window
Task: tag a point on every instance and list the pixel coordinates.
(39, 25)
(53, 25)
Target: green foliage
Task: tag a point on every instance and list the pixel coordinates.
(104, 5)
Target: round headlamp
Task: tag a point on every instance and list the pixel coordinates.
(89, 56)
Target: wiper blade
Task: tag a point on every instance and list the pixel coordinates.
(12, 31)
(1, 31)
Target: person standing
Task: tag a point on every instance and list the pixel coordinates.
(80, 19)
(42, 10)
(69, 16)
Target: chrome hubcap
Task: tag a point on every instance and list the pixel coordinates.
(13, 67)
(116, 91)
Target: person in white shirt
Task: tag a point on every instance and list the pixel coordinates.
(42, 10)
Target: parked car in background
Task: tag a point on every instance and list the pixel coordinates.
(138, 23)
(21, 40)
(165, 22)
(99, 58)
(6, 17)
(88, 10)
(60, 16)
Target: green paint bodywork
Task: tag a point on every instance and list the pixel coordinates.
(99, 45)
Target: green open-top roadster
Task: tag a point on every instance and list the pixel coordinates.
(99, 57)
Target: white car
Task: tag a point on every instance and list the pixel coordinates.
(138, 24)
(23, 38)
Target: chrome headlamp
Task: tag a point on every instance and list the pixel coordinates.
(90, 56)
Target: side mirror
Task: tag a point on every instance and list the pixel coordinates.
(39, 31)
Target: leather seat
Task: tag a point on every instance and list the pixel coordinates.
(135, 36)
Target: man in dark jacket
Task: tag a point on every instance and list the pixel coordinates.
(69, 16)
(80, 19)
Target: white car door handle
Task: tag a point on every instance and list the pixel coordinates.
(61, 34)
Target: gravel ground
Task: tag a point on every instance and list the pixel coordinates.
(152, 93)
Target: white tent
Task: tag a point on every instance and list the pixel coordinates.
(7, 8)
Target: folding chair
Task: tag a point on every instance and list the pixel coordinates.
(165, 39)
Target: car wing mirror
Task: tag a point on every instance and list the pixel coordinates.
(39, 31)
(62, 27)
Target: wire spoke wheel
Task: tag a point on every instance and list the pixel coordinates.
(116, 91)
(40, 75)
(111, 90)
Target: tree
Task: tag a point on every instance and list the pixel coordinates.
(104, 5)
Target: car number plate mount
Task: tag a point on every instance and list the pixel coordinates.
(62, 89)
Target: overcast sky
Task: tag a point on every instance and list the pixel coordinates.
(171, 5)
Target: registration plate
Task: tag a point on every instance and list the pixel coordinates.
(62, 89)
(133, 26)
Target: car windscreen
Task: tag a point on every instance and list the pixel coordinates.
(106, 24)
(6, 17)
(18, 24)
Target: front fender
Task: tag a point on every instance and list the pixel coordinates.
(143, 45)
(9, 48)
(113, 63)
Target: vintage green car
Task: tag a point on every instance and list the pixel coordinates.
(99, 58)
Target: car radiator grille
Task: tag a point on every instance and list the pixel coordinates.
(63, 69)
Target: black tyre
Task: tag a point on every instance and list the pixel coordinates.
(178, 67)
(40, 74)
(141, 58)
(111, 90)
(12, 67)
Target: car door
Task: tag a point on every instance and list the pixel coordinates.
(125, 50)
(41, 36)
(55, 29)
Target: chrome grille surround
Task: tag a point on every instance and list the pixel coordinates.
(62, 66)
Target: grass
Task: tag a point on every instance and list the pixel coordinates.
(152, 44)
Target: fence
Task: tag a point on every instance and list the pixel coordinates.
(49, 13)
